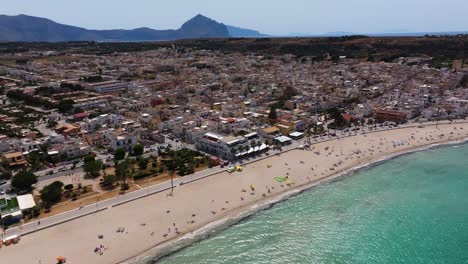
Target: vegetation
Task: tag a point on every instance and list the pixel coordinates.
(441, 48)
(143, 163)
(52, 193)
(123, 171)
(182, 161)
(138, 149)
(272, 115)
(18, 95)
(109, 180)
(338, 118)
(119, 154)
(65, 106)
(92, 167)
(92, 79)
(464, 81)
(23, 180)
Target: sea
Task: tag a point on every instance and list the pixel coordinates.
(411, 209)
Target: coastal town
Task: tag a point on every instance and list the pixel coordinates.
(83, 133)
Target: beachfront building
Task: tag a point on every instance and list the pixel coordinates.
(390, 115)
(231, 147)
(296, 135)
(269, 134)
(282, 141)
(11, 209)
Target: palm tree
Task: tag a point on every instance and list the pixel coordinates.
(122, 171)
(171, 167)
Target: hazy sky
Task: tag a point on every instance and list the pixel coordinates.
(267, 16)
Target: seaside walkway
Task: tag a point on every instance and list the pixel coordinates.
(134, 195)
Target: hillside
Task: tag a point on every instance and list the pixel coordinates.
(23, 28)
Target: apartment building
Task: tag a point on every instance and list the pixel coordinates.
(109, 86)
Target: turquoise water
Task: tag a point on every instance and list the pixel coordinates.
(413, 209)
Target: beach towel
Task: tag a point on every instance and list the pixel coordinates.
(280, 179)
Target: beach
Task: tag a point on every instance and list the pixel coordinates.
(160, 218)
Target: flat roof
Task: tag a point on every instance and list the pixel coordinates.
(230, 140)
(25, 201)
(213, 135)
(272, 129)
(251, 134)
(283, 139)
(13, 155)
(281, 125)
(296, 134)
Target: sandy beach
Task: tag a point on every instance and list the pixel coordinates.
(133, 228)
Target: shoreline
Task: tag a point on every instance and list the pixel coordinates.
(162, 250)
(160, 224)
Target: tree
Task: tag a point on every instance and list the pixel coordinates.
(119, 154)
(138, 149)
(36, 160)
(65, 106)
(92, 167)
(24, 180)
(52, 123)
(171, 166)
(68, 187)
(36, 211)
(52, 193)
(337, 116)
(143, 163)
(6, 175)
(122, 171)
(88, 158)
(155, 163)
(109, 180)
(272, 115)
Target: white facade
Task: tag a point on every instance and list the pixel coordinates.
(229, 147)
(110, 86)
(125, 141)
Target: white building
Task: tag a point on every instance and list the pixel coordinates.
(125, 141)
(109, 86)
(230, 147)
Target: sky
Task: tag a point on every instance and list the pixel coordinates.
(276, 17)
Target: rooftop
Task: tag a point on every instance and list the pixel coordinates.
(271, 130)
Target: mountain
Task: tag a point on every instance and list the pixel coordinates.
(237, 32)
(34, 29)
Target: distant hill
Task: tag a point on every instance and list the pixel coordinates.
(23, 28)
(237, 32)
